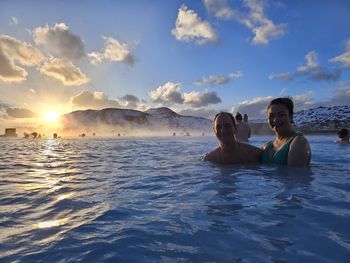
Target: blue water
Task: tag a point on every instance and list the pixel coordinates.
(154, 200)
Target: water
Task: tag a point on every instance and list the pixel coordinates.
(152, 199)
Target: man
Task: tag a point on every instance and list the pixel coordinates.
(243, 129)
(230, 151)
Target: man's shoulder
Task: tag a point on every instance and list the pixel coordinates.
(211, 156)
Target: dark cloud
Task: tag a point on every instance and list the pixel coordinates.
(60, 40)
(93, 100)
(312, 71)
(20, 113)
(196, 99)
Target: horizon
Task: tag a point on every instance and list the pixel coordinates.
(195, 58)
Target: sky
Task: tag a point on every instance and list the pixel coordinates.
(194, 57)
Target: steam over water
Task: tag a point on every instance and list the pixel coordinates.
(153, 199)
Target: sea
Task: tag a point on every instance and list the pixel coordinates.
(152, 199)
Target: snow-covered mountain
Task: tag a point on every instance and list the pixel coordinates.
(321, 119)
(165, 121)
(133, 122)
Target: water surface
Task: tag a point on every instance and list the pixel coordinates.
(153, 199)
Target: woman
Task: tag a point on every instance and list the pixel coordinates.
(288, 148)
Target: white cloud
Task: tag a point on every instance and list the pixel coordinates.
(168, 94)
(14, 21)
(196, 99)
(190, 27)
(113, 51)
(60, 41)
(312, 70)
(218, 79)
(13, 50)
(255, 19)
(93, 100)
(256, 108)
(341, 97)
(64, 71)
(263, 28)
(220, 9)
(343, 58)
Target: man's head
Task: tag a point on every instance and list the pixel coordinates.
(238, 117)
(343, 134)
(225, 128)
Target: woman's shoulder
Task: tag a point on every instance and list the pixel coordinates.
(266, 144)
(299, 139)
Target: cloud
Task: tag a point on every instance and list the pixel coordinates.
(14, 21)
(130, 101)
(63, 71)
(93, 100)
(20, 113)
(190, 27)
(196, 99)
(343, 58)
(341, 97)
(312, 70)
(255, 19)
(199, 112)
(168, 94)
(13, 50)
(220, 9)
(262, 27)
(256, 108)
(60, 41)
(218, 79)
(113, 51)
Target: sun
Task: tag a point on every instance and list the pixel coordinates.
(51, 116)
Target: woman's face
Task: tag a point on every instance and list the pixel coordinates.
(279, 118)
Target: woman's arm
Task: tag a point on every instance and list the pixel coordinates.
(299, 154)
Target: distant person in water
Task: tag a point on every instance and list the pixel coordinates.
(343, 135)
(230, 151)
(245, 118)
(288, 148)
(242, 129)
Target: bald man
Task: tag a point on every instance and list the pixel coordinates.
(230, 151)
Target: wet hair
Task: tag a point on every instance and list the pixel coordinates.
(238, 117)
(284, 101)
(227, 113)
(343, 133)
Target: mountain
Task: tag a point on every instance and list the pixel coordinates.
(157, 121)
(132, 122)
(323, 119)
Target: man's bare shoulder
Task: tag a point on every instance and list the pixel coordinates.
(212, 156)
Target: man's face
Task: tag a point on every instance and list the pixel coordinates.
(224, 129)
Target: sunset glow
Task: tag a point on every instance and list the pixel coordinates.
(51, 116)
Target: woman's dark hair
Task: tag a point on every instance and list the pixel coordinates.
(227, 113)
(284, 101)
(342, 133)
(238, 117)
